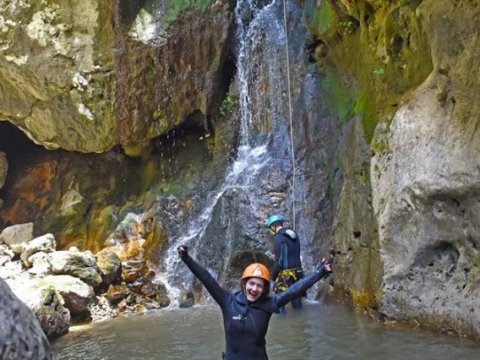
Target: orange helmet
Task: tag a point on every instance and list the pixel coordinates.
(257, 270)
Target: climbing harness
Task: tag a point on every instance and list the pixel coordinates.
(290, 112)
(287, 277)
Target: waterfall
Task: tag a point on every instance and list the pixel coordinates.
(263, 143)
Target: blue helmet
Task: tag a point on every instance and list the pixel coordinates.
(272, 219)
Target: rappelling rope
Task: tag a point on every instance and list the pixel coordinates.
(290, 112)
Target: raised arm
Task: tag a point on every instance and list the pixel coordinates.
(218, 293)
(299, 287)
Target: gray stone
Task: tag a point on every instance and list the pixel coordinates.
(45, 244)
(45, 302)
(186, 299)
(109, 265)
(76, 294)
(16, 236)
(41, 266)
(76, 263)
(21, 337)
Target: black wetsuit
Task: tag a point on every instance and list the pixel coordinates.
(246, 324)
(292, 242)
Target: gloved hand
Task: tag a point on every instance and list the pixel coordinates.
(182, 250)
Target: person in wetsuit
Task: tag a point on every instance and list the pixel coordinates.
(287, 268)
(246, 313)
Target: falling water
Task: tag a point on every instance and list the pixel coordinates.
(260, 58)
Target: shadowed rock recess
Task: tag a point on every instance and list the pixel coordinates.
(126, 129)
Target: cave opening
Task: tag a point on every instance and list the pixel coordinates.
(15, 143)
(19, 149)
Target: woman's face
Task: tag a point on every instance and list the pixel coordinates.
(254, 288)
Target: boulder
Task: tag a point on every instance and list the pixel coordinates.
(16, 236)
(76, 294)
(116, 293)
(46, 303)
(76, 263)
(109, 265)
(41, 266)
(186, 299)
(45, 243)
(21, 336)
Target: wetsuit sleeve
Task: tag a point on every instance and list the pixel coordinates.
(218, 293)
(277, 246)
(298, 288)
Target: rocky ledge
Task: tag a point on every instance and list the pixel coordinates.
(71, 286)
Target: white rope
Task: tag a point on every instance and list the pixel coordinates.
(290, 112)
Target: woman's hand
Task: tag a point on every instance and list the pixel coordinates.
(182, 250)
(326, 265)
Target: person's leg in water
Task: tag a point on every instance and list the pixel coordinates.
(281, 310)
(280, 286)
(297, 303)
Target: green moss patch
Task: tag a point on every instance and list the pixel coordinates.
(338, 99)
(383, 48)
(176, 7)
(322, 19)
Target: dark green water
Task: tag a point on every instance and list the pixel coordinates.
(316, 332)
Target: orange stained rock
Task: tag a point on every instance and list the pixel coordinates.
(30, 194)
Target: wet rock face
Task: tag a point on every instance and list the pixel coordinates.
(406, 229)
(426, 184)
(21, 336)
(77, 82)
(64, 64)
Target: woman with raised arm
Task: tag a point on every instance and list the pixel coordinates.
(246, 313)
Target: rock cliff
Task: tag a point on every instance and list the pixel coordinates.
(145, 105)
